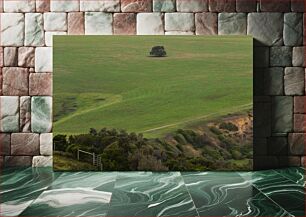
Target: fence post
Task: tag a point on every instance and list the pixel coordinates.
(101, 166)
(78, 155)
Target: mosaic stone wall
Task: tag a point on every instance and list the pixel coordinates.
(27, 27)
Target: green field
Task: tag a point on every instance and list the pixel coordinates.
(109, 81)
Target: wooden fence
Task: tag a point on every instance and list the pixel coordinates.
(96, 159)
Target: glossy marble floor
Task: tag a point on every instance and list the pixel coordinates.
(42, 192)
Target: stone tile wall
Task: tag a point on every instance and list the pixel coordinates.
(27, 27)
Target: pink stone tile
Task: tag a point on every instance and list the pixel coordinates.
(1, 6)
(18, 161)
(272, 6)
(222, 6)
(15, 81)
(246, 5)
(124, 24)
(40, 84)
(299, 123)
(304, 33)
(1, 56)
(299, 104)
(136, 5)
(25, 144)
(25, 114)
(303, 161)
(1, 162)
(289, 161)
(42, 5)
(26, 56)
(5, 143)
(297, 5)
(1, 81)
(76, 23)
(206, 23)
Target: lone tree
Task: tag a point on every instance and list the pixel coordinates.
(158, 51)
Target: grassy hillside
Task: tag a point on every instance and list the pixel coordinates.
(111, 82)
(223, 144)
(62, 162)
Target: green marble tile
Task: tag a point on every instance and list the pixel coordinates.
(13, 173)
(21, 187)
(283, 191)
(70, 202)
(228, 194)
(41, 114)
(141, 176)
(9, 115)
(135, 187)
(184, 208)
(75, 194)
(164, 5)
(296, 174)
(102, 181)
(151, 194)
(41, 192)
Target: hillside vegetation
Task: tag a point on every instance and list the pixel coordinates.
(222, 145)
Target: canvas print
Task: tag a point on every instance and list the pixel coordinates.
(153, 103)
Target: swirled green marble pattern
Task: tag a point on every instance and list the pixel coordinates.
(295, 174)
(75, 194)
(42, 192)
(19, 188)
(228, 194)
(283, 191)
(151, 194)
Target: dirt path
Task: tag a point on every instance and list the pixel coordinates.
(81, 112)
(198, 118)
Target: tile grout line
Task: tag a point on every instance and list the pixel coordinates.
(172, 182)
(110, 201)
(113, 190)
(39, 194)
(289, 178)
(190, 195)
(272, 200)
(55, 179)
(62, 173)
(264, 194)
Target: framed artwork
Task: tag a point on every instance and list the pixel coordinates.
(153, 103)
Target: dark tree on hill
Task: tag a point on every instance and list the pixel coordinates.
(93, 132)
(60, 142)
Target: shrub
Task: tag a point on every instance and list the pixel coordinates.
(236, 155)
(227, 141)
(60, 142)
(215, 130)
(228, 126)
(212, 152)
(180, 139)
(202, 140)
(149, 162)
(189, 135)
(62, 153)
